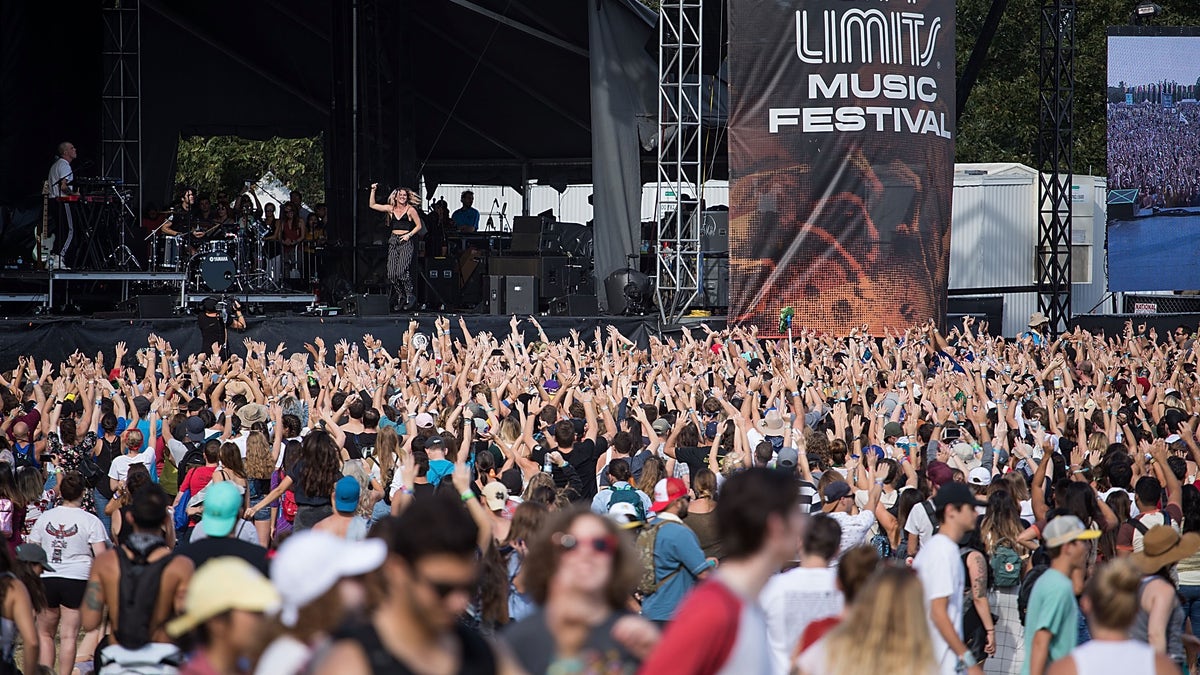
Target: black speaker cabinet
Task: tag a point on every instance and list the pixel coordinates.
(503, 266)
(527, 225)
(443, 281)
(152, 306)
(366, 305)
(552, 271)
(520, 295)
(576, 304)
(495, 294)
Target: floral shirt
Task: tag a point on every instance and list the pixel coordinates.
(68, 458)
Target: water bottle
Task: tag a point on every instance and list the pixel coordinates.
(546, 465)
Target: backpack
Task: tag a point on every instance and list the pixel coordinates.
(1141, 527)
(289, 508)
(7, 509)
(89, 469)
(1005, 564)
(193, 458)
(649, 583)
(24, 456)
(1026, 590)
(137, 592)
(933, 519)
(628, 495)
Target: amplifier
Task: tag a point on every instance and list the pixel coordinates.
(553, 272)
(714, 232)
(442, 278)
(495, 295)
(366, 305)
(576, 304)
(503, 266)
(520, 295)
(527, 225)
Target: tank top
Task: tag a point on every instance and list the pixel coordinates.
(1119, 658)
(477, 656)
(1141, 624)
(404, 223)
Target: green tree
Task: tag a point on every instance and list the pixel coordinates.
(223, 163)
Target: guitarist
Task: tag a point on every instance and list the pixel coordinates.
(59, 181)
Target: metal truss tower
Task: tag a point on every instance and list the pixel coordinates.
(677, 204)
(121, 99)
(1056, 98)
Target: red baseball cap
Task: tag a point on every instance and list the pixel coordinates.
(666, 491)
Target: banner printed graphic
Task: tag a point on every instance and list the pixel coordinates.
(841, 155)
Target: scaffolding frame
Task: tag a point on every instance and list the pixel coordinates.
(678, 275)
(121, 95)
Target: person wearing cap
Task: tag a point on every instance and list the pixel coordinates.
(1160, 618)
(214, 327)
(439, 466)
(429, 580)
(223, 611)
(721, 627)
(679, 562)
(315, 574)
(133, 632)
(221, 530)
(345, 521)
(1052, 617)
(495, 499)
(940, 568)
(839, 504)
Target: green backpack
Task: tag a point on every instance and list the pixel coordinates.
(629, 495)
(649, 583)
(1006, 565)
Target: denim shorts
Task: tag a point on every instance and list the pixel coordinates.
(257, 493)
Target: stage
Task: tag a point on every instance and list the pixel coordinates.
(56, 338)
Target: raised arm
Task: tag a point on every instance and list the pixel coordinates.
(375, 206)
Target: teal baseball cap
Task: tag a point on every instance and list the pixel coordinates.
(222, 506)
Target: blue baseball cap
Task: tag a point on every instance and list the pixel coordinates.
(345, 495)
(222, 507)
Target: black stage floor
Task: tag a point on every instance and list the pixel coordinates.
(56, 338)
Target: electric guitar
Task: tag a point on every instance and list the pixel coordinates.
(43, 242)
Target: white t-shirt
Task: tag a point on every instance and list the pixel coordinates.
(59, 170)
(67, 534)
(793, 600)
(888, 499)
(940, 570)
(1133, 509)
(120, 465)
(918, 524)
(854, 528)
(286, 654)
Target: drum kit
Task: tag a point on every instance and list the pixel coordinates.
(225, 257)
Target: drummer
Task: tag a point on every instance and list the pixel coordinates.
(183, 214)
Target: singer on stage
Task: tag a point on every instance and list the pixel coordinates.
(59, 181)
(405, 223)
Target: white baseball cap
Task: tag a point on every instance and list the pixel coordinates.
(309, 563)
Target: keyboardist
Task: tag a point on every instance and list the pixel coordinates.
(59, 182)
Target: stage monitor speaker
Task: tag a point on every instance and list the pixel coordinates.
(576, 304)
(714, 232)
(552, 271)
(520, 295)
(527, 225)
(442, 281)
(366, 305)
(152, 306)
(503, 266)
(716, 282)
(495, 296)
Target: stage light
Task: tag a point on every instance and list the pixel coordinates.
(1147, 10)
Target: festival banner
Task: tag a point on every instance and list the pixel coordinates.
(841, 162)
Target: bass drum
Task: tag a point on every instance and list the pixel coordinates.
(215, 270)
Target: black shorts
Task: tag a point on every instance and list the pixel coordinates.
(62, 592)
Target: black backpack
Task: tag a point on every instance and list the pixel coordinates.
(137, 592)
(933, 519)
(1026, 589)
(194, 457)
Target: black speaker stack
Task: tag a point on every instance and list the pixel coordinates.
(548, 268)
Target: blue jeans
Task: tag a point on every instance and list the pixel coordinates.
(1191, 605)
(101, 503)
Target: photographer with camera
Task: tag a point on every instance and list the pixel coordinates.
(214, 320)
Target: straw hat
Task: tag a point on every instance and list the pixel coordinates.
(1163, 546)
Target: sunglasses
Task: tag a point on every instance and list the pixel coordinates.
(569, 542)
(444, 589)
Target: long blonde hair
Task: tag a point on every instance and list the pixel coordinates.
(258, 456)
(885, 630)
(414, 200)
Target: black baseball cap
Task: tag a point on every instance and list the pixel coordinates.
(955, 493)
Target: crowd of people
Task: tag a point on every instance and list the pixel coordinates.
(1141, 140)
(718, 502)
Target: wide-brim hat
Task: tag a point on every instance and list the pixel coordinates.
(1038, 319)
(772, 424)
(1162, 545)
